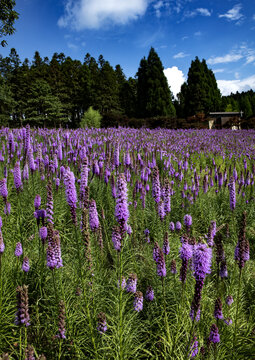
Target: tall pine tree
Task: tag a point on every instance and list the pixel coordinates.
(154, 97)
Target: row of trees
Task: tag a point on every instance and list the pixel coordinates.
(59, 91)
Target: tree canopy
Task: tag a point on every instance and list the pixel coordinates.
(7, 18)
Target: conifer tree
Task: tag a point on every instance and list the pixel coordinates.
(153, 93)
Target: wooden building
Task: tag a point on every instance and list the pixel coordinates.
(220, 120)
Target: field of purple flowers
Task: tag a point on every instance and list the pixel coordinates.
(127, 244)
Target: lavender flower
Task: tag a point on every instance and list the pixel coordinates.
(178, 226)
(138, 301)
(211, 233)
(171, 226)
(193, 348)
(17, 176)
(84, 179)
(116, 238)
(71, 195)
(214, 336)
(121, 209)
(161, 265)
(156, 251)
(149, 294)
(101, 325)
(188, 221)
(2, 246)
(93, 216)
(223, 269)
(173, 267)
(167, 197)
(229, 300)
(202, 257)
(218, 309)
(232, 193)
(166, 246)
(22, 314)
(43, 233)
(18, 250)
(49, 205)
(25, 265)
(185, 254)
(123, 283)
(3, 189)
(37, 202)
(61, 320)
(156, 193)
(131, 283)
(7, 208)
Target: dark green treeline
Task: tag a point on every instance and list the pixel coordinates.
(57, 91)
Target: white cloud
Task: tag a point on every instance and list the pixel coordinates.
(228, 86)
(93, 14)
(253, 18)
(198, 33)
(218, 71)
(175, 78)
(180, 55)
(198, 11)
(233, 14)
(224, 59)
(159, 4)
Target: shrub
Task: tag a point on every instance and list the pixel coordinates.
(91, 119)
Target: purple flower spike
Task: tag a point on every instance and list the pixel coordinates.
(71, 195)
(193, 348)
(101, 325)
(18, 251)
(214, 336)
(121, 209)
(25, 265)
(93, 216)
(161, 265)
(156, 192)
(229, 300)
(178, 226)
(116, 238)
(218, 309)
(37, 202)
(17, 176)
(3, 189)
(202, 257)
(171, 226)
(2, 246)
(43, 233)
(131, 283)
(232, 193)
(166, 246)
(149, 296)
(188, 221)
(138, 301)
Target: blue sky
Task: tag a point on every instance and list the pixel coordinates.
(220, 31)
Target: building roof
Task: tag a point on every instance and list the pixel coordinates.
(226, 113)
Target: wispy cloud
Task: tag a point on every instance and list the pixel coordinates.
(196, 12)
(224, 59)
(198, 33)
(228, 86)
(218, 71)
(93, 14)
(158, 6)
(175, 78)
(180, 55)
(233, 14)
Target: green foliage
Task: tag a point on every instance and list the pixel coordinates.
(154, 97)
(91, 119)
(200, 94)
(7, 18)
